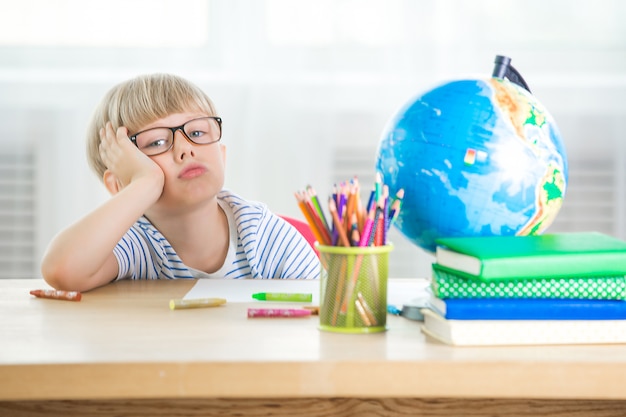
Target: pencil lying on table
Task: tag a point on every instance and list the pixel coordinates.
(279, 312)
(57, 294)
(179, 303)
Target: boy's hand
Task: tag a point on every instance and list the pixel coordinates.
(124, 159)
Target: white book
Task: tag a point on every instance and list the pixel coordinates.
(522, 332)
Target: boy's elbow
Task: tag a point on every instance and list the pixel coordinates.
(64, 274)
(60, 275)
(54, 274)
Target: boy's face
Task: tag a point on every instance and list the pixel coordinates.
(193, 172)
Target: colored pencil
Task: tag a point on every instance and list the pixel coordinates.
(351, 223)
(343, 237)
(309, 218)
(396, 206)
(355, 236)
(316, 204)
(367, 228)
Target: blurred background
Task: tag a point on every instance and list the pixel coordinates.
(304, 88)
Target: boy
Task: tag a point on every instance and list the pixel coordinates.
(155, 142)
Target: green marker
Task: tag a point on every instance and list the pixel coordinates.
(282, 296)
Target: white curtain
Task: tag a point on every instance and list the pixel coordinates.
(304, 87)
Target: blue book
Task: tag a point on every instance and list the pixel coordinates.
(527, 309)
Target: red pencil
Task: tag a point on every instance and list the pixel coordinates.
(57, 294)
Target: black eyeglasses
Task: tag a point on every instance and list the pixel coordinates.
(201, 131)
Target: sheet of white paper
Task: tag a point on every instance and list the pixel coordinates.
(241, 290)
(399, 291)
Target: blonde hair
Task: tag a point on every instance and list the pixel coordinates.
(140, 101)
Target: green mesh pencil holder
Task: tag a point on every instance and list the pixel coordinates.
(353, 288)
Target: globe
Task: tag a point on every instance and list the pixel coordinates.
(475, 157)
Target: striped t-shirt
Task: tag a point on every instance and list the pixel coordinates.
(262, 245)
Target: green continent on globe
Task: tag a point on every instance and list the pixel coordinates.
(549, 201)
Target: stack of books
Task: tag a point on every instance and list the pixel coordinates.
(562, 288)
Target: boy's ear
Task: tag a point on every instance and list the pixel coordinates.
(111, 182)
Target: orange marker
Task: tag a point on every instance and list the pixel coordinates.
(57, 294)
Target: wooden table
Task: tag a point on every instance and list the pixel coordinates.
(121, 351)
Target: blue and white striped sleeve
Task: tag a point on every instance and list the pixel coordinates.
(135, 257)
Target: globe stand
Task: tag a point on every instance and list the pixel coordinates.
(503, 69)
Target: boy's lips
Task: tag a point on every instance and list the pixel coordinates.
(192, 171)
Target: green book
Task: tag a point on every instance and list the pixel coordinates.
(447, 284)
(537, 256)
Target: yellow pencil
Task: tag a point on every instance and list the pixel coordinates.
(179, 303)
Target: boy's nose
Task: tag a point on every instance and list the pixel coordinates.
(182, 144)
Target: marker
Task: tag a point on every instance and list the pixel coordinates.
(278, 312)
(57, 294)
(176, 304)
(393, 310)
(282, 296)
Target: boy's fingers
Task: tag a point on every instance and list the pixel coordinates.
(105, 133)
(121, 134)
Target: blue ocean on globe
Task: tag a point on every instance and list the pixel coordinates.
(474, 157)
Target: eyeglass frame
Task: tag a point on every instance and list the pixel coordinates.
(133, 138)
